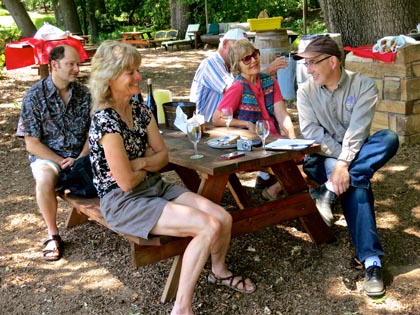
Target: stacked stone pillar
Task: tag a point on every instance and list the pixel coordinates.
(398, 106)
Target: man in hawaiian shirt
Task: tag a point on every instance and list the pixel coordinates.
(54, 122)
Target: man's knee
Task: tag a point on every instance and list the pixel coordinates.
(314, 167)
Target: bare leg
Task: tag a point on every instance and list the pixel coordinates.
(45, 181)
(210, 226)
(275, 189)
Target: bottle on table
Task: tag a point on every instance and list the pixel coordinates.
(150, 100)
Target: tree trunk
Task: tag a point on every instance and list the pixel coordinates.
(180, 16)
(71, 19)
(364, 22)
(93, 22)
(59, 20)
(21, 17)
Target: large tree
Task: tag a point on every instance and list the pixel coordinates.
(363, 22)
(180, 15)
(71, 19)
(21, 17)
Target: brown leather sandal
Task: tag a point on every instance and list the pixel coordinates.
(228, 281)
(58, 252)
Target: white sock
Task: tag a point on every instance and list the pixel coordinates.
(264, 175)
(372, 261)
(330, 186)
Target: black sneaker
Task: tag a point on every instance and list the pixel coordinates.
(261, 183)
(373, 284)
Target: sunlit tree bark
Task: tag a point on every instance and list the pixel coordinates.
(21, 17)
(363, 22)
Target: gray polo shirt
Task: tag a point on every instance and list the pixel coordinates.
(340, 120)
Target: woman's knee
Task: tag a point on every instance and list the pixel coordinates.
(214, 229)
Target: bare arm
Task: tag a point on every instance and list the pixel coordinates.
(36, 147)
(276, 64)
(218, 121)
(284, 120)
(156, 156)
(128, 174)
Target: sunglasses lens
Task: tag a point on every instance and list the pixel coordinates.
(247, 59)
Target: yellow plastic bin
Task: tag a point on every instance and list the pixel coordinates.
(161, 97)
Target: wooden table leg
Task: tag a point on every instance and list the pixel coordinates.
(171, 286)
(75, 217)
(293, 182)
(238, 192)
(213, 187)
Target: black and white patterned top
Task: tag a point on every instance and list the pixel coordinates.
(135, 141)
(44, 115)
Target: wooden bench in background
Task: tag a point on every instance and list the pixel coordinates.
(143, 251)
(163, 36)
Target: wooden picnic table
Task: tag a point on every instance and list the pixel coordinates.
(137, 37)
(210, 176)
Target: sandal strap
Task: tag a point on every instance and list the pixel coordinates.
(231, 278)
(51, 238)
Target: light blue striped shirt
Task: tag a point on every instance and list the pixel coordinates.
(209, 83)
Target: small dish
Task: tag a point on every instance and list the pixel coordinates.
(225, 142)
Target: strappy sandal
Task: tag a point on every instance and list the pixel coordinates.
(228, 281)
(58, 251)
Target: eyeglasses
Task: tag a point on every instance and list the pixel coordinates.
(247, 59)
(314, 63)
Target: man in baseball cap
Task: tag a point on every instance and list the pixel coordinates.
(319, 46)
(336, 109)
(234, 34)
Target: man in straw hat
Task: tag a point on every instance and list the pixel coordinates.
(336, 109)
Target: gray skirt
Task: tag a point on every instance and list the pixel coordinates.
(136, 212)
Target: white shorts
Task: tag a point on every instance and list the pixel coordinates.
(38, 163)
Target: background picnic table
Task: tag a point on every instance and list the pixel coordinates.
(293, 275)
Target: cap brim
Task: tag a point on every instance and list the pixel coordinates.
(308, 54)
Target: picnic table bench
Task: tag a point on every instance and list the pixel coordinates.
(143, 251)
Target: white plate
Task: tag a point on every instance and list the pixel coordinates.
(289, 144)
(222, 142)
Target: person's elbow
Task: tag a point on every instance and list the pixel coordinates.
(216, 120)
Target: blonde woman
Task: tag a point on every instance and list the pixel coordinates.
(127, 152)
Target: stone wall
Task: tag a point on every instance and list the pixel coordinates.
(398, 106)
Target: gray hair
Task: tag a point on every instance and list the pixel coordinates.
(237, 51)
(110, 60)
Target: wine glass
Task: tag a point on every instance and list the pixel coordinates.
(227, 116)
(262, 128)
(194, 134)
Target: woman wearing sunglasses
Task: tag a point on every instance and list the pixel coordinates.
(254, 96)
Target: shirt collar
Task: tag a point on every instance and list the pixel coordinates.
(342, 82)
(51, 89)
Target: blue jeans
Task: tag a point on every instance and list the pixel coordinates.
(358, 201)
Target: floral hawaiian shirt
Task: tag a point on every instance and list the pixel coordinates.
(44, 115)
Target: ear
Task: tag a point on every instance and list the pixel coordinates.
(53, 65)
(335, 62)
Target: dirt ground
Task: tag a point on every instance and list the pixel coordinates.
(293, 275)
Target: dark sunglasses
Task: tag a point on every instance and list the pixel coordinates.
(248, 58)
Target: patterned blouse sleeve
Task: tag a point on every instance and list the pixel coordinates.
(105, 122)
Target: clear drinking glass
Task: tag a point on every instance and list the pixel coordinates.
(194, 134)
(262, 128)
(227, 116)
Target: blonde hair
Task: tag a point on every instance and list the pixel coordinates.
(236, 52)
(110, 60)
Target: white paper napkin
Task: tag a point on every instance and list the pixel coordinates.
(181, 119)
